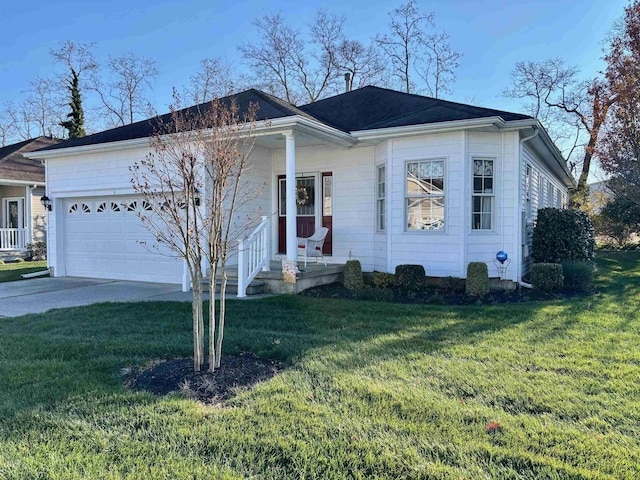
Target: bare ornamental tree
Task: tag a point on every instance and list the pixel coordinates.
(193, 187)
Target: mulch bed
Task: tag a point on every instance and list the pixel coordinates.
(435, 296)
(177, 375)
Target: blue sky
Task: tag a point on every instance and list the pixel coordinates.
(492, 34)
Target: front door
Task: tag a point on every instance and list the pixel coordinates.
(14, 216)
(306, 210)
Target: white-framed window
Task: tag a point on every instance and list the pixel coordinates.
(549, 202)
(483, 194)
(528, 179)
(425, 195)
(381, 195)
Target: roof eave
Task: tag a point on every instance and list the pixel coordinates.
(544, 137)
(496, 123)
(263, 127)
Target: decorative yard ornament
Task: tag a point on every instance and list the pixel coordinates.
(502, 262)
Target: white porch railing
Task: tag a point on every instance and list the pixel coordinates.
(13, 238)
(253, 256)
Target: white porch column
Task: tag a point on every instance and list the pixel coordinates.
(28, 216)
(290, 156)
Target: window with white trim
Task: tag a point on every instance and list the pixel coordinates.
(425, 195)
(549, 202)
(483, 193)
(528, 179)
(381, 195)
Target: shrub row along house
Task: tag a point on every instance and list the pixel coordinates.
(21, 187)
(396, 178)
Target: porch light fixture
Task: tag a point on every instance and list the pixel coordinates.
(46, 202)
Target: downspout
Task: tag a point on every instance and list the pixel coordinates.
(535, 133)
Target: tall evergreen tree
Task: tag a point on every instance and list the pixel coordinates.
(75, 124)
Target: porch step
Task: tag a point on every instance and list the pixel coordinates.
(255, 288)
(272, 281)
(13, 255)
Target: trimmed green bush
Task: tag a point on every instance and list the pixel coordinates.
(477, 283)
(562, 235)
(578, 275)
(374, 294)
(384, 280)
(353, 279)
(452, 284)
(546, 276)
(410, 278)
(19, 260)
(1, 262)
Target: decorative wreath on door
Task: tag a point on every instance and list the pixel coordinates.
(302, 196)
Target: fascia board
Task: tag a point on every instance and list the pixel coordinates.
(391, 132)
(8, 182)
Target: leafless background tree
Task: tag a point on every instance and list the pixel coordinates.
(123, 90)
(574, 111)
(416, 52)
(216, 78)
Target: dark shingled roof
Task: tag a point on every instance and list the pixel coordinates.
(362, 109)
(270, 107)
(370, 108)
(14, 166)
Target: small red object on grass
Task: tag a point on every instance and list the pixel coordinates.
(493, 427)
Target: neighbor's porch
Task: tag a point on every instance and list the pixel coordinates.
(15, 206)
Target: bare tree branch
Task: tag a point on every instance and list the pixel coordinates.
(123, 97)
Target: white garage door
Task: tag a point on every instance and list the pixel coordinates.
(104, 238)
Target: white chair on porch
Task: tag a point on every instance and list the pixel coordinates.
(312, 246)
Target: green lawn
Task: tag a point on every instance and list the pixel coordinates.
(370, 390)
(12, 271)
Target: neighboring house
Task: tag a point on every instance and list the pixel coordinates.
(397, 178)
(22, 216)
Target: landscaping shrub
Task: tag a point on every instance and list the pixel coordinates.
(374, 294)
(37, 251)
(452, 285)
(353, 279)
(578, 275)
(1, 262)
(477, 283)
(384, 280)
(19, 260)
(410, 278)
(546, 276)
(562, 235)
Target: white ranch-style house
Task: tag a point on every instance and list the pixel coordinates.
(396, 178)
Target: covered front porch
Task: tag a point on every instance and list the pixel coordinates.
(297, 167)
(19, 220)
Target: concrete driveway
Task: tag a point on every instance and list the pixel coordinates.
(41, 294)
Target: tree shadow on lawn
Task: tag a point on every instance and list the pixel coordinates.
(50, 357)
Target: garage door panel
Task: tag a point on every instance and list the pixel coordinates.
(103, 239)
